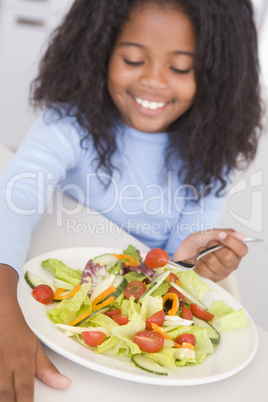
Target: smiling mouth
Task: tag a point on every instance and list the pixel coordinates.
(149, 105)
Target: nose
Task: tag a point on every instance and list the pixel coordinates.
(153, 76)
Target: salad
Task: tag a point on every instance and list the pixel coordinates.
(142, 310)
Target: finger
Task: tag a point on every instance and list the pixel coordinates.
(219, 264)
(6, 386)
(211, 267)
(24, 380)
(222, 258)
(233, 252)
(47, 372)
(234, 243)
(17, 381)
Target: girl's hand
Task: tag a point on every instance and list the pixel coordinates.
(22, 356)
(218, 265)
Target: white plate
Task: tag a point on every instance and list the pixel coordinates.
(235, 351)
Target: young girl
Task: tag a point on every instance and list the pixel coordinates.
(149, 107)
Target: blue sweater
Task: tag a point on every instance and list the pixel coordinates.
(142, 197)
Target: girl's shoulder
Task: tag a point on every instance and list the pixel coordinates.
(54, 132)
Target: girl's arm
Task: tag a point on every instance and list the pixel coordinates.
(22, 356)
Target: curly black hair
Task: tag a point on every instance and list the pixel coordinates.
(222, 126)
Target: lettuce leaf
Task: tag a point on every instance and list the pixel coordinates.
(165, 357)
(115, 347)
(220, 308)
(226, 318)
(131, 250)
(150, 305)
(62, 271)
(203, 346)
(127, 332)
(129, 306)
(191, 282)
(134, 276)
(161, 290)
(70, 309)
(102, 320)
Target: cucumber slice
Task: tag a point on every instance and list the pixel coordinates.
(106, 259)
(213, 333)
(149, 365)
(119, 283)
(190, 298)
(34, 280)
(154, 285)
(62, 284)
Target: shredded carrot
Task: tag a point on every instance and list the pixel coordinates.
(84, 315)
(175, 302)
(106, 302)
(177, 282)
(131, 260)
(58, 293)
(98, 302)
(160, 330)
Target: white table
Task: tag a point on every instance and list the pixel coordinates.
(51, 233)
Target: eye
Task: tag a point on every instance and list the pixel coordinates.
(177, 71)
(133, 63)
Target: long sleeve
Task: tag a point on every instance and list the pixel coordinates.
(28, 181)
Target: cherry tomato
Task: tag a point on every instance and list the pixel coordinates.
(157, 318)
(156, 258)
(200, 312)
(111, 313)
(93, 338)
(135, 288)
(189, 338)
(120, 319)
(179, 294)
(186, 313)
(149, 341)
(172, 277)
(43, 294)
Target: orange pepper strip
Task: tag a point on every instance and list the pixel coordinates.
(107, 302)
(96, 304)
(187, 345)
(131, 260)
(160, 330)
(58, 293)
(184, 345)
(175, 304)
(84, 315)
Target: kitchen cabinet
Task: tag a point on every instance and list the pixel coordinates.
(25, 26)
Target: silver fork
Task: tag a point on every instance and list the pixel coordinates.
(189, 263)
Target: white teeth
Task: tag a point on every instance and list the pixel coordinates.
(149, 105)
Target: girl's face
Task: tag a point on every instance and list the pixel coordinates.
(151, 76)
